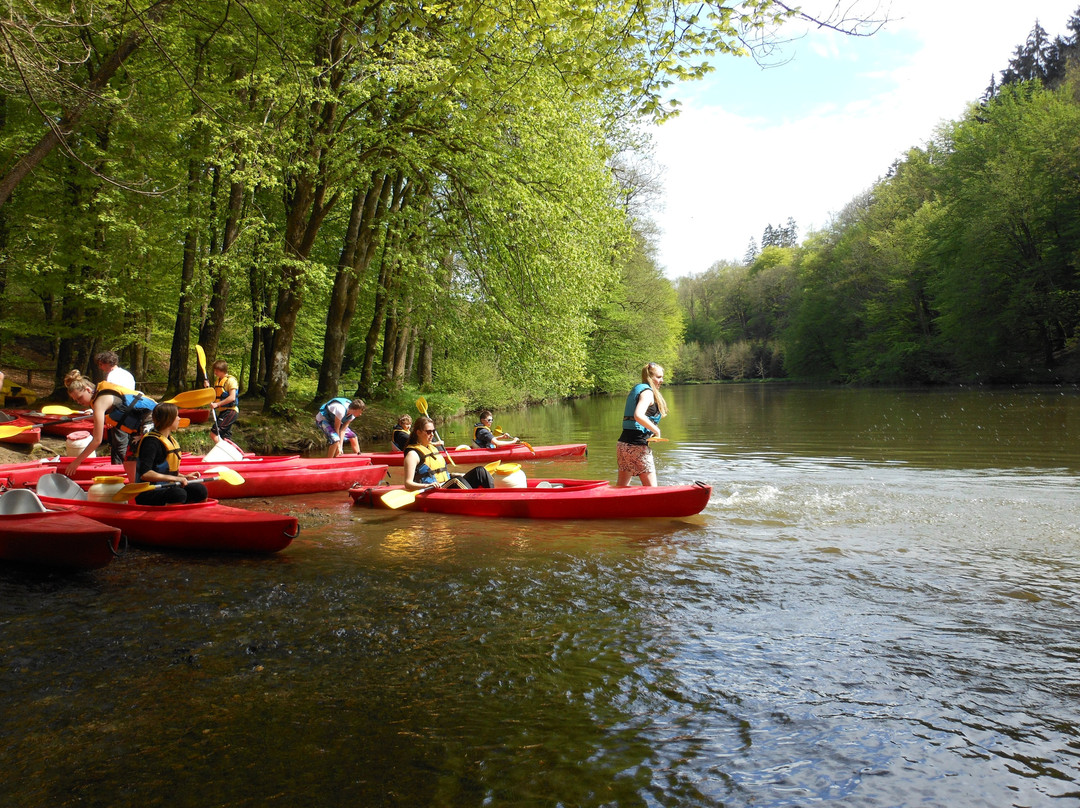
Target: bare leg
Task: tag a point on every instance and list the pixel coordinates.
(624, 479)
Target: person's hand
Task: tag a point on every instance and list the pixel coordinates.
(71, 467)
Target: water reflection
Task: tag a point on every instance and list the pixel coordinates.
(863, 616)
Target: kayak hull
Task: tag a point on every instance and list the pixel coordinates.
(576, 499)
(267, 476)
(206, 526)
(292, 479)
(57, 538)
(509, 454)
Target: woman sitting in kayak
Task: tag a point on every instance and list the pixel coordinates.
(159, 462)
(426, 468)
(484, 438)
(115, 407)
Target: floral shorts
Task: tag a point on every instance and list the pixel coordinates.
(635, 460)
(331, 435)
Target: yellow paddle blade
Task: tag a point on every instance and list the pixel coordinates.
(185, 422)
(655, 439)
(398, 498)
(131, 490)
(231, 476)
(193, 398)
(421, 405)
(59, 409)
(10, 431)
(200, 355)
(527, 446)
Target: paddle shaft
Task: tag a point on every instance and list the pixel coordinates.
(200, 355)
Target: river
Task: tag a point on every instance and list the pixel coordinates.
(879, 607)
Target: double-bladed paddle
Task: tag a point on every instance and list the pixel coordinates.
(200, 355)
(503, 434)
(421, 405)
(224, 473)
(400, 497)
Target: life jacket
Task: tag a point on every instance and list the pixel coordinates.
(328, 416)
(400, 438)
(171, 463)
(652, 413)
(131, 411)
(222, 388)
(476, 440)
(432, 466)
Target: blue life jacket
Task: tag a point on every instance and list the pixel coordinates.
(131, 410)
(324, 411)
(652, 413)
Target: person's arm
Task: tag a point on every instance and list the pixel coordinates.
(412, 460)
(95, 440)
(644, 401)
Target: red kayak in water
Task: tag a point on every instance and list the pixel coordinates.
(550, 499)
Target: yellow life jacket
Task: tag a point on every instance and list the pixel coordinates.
(432, 465)
(171, 464)
(223, 387)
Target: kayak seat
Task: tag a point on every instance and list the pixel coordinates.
(21, 500)
(59, 486)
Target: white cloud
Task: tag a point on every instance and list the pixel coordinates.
(729, 175)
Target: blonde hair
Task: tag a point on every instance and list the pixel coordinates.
(75, 382)
(648, 377)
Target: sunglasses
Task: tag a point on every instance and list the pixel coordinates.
(429, 431)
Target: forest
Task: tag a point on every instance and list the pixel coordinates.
(347, 197)
(960, 265)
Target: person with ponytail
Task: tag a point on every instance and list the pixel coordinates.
(645, 406)
(113, 407)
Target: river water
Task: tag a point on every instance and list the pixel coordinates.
(879, 607)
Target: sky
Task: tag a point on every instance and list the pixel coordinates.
(753, 146)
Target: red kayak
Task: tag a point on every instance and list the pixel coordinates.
(206, 526)
(57, 426)
(553, 499)
(509, 454)
(267, 476)
(32, 534)
(195, 415)
(274, 481)
(28, 436)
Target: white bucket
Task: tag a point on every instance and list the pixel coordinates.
(77, 441)
(103, 488)
(512, 479)
(223, 450)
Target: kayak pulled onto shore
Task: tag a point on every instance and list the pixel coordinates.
(207, 525)
(30, 533)
(28, 432)
(551, 499)
(264, 476)
(509, 454)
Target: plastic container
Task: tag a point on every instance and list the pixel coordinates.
(103, 488)
(507, 477)
(77, 441)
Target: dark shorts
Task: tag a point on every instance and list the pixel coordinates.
(223, 426)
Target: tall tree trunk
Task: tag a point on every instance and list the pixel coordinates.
(214, 323)
(356, 256)
(181, 341)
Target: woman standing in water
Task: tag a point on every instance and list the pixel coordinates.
(641, 421)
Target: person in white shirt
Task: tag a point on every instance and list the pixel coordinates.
(109, 364)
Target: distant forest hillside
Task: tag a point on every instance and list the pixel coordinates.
(961, 265)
